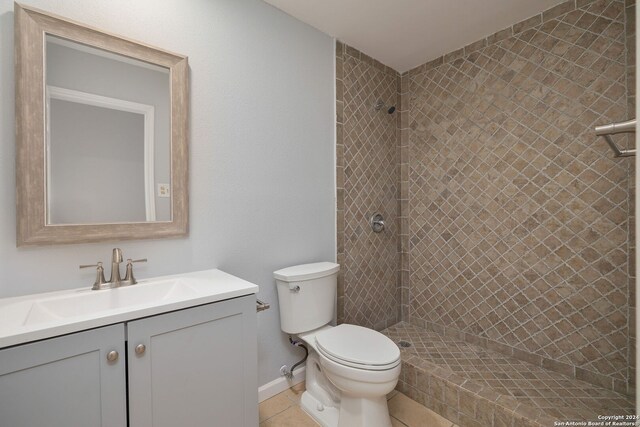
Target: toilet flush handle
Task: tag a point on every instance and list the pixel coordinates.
(294, 288)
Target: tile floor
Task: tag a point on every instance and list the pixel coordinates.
(555, 394)
(283, 410)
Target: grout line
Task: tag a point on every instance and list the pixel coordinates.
(400, 422)
(291, 404)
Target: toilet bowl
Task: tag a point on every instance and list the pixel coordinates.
(350, 369)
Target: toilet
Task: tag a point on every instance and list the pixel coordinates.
(350, 369)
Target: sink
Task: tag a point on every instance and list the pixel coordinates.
(87, 302)
(40, 316)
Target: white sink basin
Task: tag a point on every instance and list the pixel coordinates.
(90, 302)
(39, 316)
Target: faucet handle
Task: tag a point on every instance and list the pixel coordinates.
(128, 277)
(98, 264)
(100, 280)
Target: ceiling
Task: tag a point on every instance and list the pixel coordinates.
(406, 33)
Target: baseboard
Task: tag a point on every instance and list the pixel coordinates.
(279, 385)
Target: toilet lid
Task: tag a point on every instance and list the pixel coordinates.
(357, 345)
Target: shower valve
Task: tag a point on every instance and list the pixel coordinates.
(377, 223)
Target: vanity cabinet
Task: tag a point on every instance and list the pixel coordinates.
(190, 368)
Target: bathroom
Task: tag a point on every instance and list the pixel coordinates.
(504, 272)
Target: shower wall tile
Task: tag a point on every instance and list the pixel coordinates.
(518, 216)
(630, 33)
(340, 49)
(403, 199)
(368, 165)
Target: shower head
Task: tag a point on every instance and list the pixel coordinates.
(380, 104)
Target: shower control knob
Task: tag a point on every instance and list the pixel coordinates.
(140, 349)
(112, 356)
(377, 223)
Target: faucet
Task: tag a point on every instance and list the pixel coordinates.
(115, 280)
(116, 259)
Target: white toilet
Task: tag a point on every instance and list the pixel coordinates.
(350, 369)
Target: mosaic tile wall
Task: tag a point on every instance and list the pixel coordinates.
(367, 180)
(630, 29)
(517, 214)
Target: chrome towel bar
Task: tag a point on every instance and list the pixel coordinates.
(613, 128)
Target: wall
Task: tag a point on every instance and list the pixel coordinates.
(366, 162)
(518, 228)
(262, 135)
(630, 34)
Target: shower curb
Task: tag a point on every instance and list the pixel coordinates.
(464, 401)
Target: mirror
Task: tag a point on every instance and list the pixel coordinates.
(105, 133)
(101, 134)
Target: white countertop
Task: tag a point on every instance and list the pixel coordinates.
(40, 316)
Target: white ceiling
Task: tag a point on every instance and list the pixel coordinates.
(406, 33)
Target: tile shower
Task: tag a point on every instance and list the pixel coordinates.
(507, 262)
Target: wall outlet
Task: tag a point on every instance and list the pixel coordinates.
(164, 190)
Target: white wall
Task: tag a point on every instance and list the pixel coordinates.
(261, 151)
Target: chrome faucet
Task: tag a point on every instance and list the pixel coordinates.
(115, 280)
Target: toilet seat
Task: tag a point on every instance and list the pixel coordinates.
(358, 347)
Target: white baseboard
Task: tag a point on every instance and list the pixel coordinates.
(279, 385)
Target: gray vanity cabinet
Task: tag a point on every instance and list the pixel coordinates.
(195, 368)
(65, 381)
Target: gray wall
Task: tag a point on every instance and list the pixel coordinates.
(261, 150)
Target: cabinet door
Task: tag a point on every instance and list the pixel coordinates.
(65, 381)
(198, 369)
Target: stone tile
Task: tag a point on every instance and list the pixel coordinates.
(517, 215)
(397, 423)
(527, 23)
(273, 406)
(558, 10)
(272, 414)
(369, 177)
(292, 417)
(413, 414)
(489, 385)
(295, 393)
(500, 35)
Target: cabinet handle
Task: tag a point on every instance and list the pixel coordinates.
(112, 356)
(140, 349)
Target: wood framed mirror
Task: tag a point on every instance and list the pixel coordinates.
(101, 134)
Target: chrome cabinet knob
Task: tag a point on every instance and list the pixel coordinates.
(140, 349)
(112, 356)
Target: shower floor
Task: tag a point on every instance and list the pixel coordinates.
(555, 395)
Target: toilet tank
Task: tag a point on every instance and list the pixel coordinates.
(306, 295)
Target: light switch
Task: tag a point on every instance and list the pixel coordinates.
(164, 190)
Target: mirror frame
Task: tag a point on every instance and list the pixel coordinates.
(31, 27)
